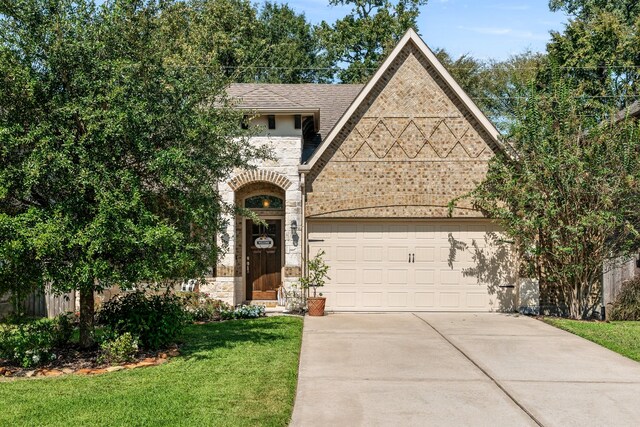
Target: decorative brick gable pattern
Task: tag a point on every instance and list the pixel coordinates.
(408, 150)
(259, 175)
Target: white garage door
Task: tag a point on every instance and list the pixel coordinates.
(420, 266)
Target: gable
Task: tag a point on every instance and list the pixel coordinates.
(410, 146)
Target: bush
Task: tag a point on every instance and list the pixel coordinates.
(120, 349)
(244, 312)
(33, 343)
(155, 319)
(200, 307)
(627, 304)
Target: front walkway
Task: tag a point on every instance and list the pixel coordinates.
(405, 369)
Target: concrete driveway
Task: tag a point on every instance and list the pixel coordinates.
(406, 369)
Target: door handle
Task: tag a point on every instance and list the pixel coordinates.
(413, 258)
(409, 258)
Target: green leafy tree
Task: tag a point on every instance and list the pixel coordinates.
(111, 152)
(363, 38)
(566, 191)
(269, 43)
(600, 46)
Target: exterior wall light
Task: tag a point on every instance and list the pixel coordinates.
(294, 226)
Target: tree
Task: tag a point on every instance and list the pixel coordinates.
(289, 51)
(600, 46)
(365, 36)
(566, 191)
(271, 43)
(111, 153)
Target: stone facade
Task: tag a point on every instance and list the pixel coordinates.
(278, 177)
(409, 149)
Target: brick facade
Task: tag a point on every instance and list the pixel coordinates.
(409, 149)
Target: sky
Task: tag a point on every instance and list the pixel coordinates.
(485, 29)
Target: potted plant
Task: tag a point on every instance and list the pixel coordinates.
(316, 277)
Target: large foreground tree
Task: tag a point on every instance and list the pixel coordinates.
(110, 152)
(566, 190)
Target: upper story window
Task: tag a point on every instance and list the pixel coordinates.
(263, 201)
(272, 121)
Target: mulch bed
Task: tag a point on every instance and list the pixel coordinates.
(73, 361)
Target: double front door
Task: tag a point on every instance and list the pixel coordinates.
(264, 259)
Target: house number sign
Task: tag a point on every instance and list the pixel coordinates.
(264, 242)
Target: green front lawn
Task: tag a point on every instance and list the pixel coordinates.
(621, 337)
(236, 373)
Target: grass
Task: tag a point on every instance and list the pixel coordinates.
(621, 337)
(237, 373)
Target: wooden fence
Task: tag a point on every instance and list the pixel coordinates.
(614, 275)
(46, 304)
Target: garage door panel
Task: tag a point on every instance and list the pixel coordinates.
(425, 277)
(397, 299)
(372, 300)
(397, 276)
(373, 276)
(425, 299)
(372, 253)
(425, 254)
(345, 299)
(398, 254)
(370, 268)
(346, 253)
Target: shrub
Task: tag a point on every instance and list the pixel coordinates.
(122, 348)
(200, 307)
(155, 319)
(244, 312)
(627, 304)
(33, 343)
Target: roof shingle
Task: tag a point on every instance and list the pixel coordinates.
(331, 99)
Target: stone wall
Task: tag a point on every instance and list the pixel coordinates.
(280, 177)
(409, 149)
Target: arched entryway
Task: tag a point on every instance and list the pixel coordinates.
(260, 246)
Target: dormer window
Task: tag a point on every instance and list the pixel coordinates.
(272, 121)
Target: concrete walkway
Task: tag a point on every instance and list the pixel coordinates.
(405, 369)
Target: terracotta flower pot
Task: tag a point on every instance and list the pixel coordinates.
(316, 306)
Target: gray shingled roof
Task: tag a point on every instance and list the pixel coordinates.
(331, 99)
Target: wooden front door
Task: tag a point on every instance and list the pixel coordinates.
(264, 264)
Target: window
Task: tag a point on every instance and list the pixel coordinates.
(245, 122)
(272, 122)
(263, 202)
(297, 121)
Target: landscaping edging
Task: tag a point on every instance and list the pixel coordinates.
(162, 358)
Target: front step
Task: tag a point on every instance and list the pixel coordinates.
(269, 303)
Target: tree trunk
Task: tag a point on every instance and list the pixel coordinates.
(86, 316)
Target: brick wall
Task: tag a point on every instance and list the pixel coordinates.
(409, 149)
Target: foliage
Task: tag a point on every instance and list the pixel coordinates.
(600, 48)
(244, 312)
(229, 374)
(317, 270)
(270, 43)
(33, 342)
(627, 303)
(621, 337)
(566, 191)
(156, 319)
(366, 35)
(120, 349)
(111, 151)
(200, 307)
